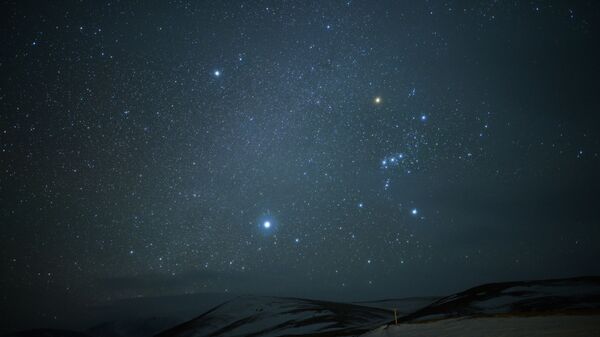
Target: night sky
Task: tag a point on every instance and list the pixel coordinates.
(345, 150)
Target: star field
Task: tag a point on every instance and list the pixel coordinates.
(330, 149)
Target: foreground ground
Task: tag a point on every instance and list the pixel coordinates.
(533, 326)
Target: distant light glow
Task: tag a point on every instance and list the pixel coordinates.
(267, 224)
(377, 100)
(217, 73)
(414, 211)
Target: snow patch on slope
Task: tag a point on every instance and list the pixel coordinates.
(547, 326)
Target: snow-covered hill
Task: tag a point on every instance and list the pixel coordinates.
(275, 316)
(575, 295)
(504, 307)
(555, 308)
(565, 307)
(528, 326)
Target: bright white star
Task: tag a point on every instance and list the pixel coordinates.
(267, 224)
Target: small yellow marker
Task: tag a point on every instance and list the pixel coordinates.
(377, 100)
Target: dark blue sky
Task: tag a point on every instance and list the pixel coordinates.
(395, 148)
